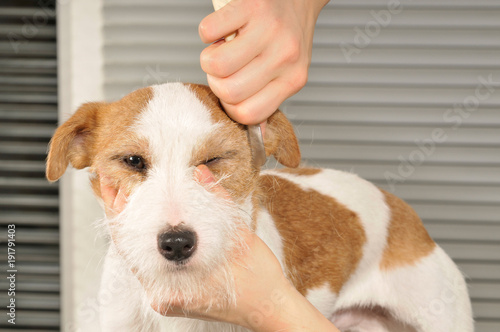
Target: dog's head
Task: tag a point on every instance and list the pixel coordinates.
(173, 232)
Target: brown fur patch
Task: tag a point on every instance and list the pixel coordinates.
(300, 171)
(280, 140)
(230, 144)
(207, 97)
(115, 139)
(323, 240)
(407, 239)
(95, 136)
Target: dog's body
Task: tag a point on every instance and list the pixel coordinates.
(359, 254)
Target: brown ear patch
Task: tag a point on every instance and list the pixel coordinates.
(300, 171)
(71, 142)
(407, 239)
(280, 140)
(90, 129)
(322, 239)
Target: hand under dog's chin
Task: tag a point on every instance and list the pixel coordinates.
(188, 284)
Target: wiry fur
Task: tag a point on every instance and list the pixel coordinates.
(360, 255)
(217, 220)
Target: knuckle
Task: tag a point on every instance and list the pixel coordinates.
(214, 64)
(242, 114)
(291, 52)
(300, 79)
(229, 94)
(205, 61)
(297, 81)
(220, 68)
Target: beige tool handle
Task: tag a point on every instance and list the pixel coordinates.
(218, 4)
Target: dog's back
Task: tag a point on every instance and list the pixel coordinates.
(361, 255)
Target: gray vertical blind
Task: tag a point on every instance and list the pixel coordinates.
(396, 94)
(28, 117)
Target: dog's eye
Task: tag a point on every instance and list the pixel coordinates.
(136, 162)
(212, 161)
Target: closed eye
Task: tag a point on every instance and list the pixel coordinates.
(212, 161)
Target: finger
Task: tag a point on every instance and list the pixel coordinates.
(222, 22)
(244, 83)
(258, 108)
(108, 193)
(203, 175)
(290, 67)
(264, 103)
(223, 59)
(114, 199)
(120, 202)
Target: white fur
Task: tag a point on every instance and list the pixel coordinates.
(409, 292)
(173, 124)
(430, 295)
(268, 232)
(323, 298)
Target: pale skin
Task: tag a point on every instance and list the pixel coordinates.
(266, 62)
(266, 300)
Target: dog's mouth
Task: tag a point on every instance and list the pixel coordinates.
(180, 265)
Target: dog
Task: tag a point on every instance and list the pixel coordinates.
(359, 254)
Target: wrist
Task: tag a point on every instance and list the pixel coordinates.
(287, 310)
(318, 6)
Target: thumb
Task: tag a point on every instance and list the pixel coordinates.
(204, 176)
(114, 199)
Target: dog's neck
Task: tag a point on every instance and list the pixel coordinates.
(257, 201)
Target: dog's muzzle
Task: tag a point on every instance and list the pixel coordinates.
(177, 245)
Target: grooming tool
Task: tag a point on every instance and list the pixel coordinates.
(254, 132)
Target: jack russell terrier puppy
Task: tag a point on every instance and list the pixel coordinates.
(359, 254)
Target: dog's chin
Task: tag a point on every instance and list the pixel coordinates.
(180, 266)
(189, 283)
(189, 266)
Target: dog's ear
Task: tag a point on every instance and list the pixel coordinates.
(72, 142)
(280, 140)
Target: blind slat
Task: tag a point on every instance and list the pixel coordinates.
(28, 116)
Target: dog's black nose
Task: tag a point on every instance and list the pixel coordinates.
(177, 246)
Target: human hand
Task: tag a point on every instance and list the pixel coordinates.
(265, 299)
(268, 60)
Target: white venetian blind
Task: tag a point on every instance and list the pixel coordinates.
(28, 117)
(404, 93)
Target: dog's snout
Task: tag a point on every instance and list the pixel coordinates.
(177, 246)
